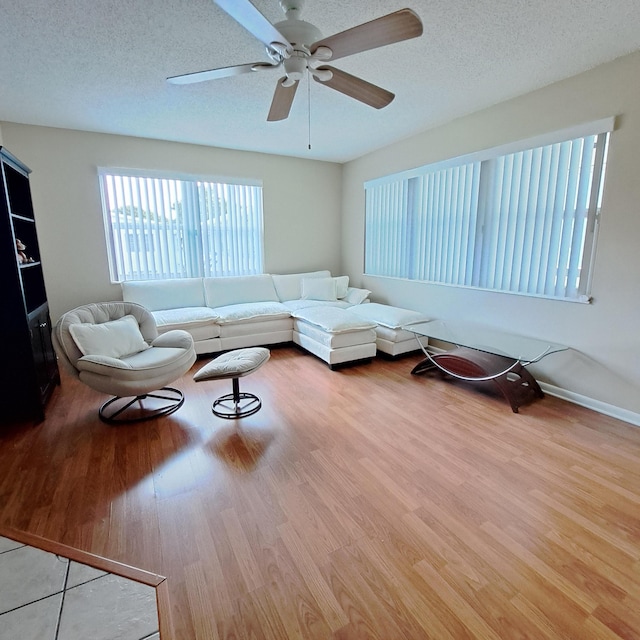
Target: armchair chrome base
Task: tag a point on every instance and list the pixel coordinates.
(114, 412)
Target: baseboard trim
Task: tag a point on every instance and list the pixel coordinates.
(596, 405)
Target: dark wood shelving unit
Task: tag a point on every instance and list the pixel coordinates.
(29, 371)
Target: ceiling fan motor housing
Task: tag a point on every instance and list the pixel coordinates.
(301, 35)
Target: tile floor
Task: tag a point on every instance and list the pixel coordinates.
(47, 597)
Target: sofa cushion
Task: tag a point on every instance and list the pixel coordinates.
(251, 312)
(295, 305)
(200, 322)
(334, 340)
(332, 319)
(319, 289)
(191, 316)
(258, 330)
(221, 292)
(394, 335)
(165, 294)
(386, 315)
(289, 286)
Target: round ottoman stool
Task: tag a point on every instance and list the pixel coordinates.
(235, 364)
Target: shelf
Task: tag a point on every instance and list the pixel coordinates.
(38, 311)
(17, 188)
(28, 265)
(17, 216)
(24, 230)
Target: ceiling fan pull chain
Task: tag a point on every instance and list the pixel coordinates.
(309, 110)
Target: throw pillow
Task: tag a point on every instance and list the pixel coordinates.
(357, 296)
(115, 338)
(319, 289)
(342, 286)
(289, 286)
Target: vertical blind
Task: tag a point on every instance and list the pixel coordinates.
(521, 222)
(169, 228)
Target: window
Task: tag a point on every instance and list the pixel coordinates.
(519, 219)
(158, 227)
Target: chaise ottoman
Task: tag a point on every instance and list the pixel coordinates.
(333, 335)
(391, 338)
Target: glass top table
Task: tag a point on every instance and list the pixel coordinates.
(483, 354)
(522, 348)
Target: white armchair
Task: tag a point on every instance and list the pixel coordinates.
(114, 348)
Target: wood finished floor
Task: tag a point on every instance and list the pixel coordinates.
(362, 503)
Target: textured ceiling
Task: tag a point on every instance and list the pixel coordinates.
(101, 66)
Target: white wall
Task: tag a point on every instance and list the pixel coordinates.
(604, 361)
(301, 203)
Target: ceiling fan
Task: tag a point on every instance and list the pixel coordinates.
(298, 46)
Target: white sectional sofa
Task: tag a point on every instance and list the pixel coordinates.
(313, 310)
(245, 311)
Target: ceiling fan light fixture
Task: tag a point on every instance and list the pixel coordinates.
(295, 66)
(299, 33)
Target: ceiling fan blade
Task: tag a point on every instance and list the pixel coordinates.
(356, 88)
(243, 12)
(223, 72)
(282, 101)
(394, 27)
